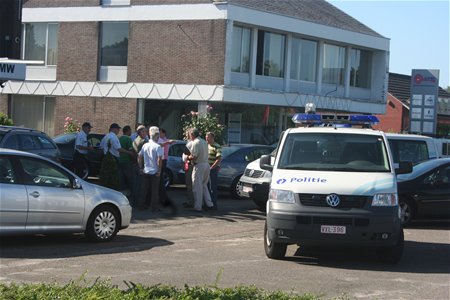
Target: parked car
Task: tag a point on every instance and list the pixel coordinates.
(66, 144)
(29, 140)
(234, 160)
(255, 183)
(175, 172)
(39, 196)
(426, 191)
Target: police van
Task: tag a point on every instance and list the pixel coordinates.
(334, 184)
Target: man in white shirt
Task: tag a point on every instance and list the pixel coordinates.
(111, 142)
(200, 171)
(80, 163)
(150, 165)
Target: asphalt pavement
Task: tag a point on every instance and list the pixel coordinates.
(225, 248)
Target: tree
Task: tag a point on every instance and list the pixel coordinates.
(204, 122)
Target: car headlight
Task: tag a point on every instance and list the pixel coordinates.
(266, 174)
(282, 196)
(385, 200)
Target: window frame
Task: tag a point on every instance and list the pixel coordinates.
(46, 46)
(263, 50)
(242, 46)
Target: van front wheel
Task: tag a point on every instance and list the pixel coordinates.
(273, 250)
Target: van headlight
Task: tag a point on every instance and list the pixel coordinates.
(282, 196)
(266, 174)
(385, 200)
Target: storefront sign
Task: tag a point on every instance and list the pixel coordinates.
(424, 95)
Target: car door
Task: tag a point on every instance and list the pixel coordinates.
(54, 205)
(47, 148)
(433, 192)
(13, 198)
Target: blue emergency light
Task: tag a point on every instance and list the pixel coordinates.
(322, 119)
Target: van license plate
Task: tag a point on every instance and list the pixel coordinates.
(332, 229)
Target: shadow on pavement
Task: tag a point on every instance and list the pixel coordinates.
(418, 257)
(62, 246)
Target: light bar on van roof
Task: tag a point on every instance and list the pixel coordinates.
(320, 119)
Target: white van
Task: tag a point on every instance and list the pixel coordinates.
(333, 185)
(442, 146)
(412, 147)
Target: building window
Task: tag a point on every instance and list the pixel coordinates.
(333, 64)
(114, 44)
(40, 42)
(36, 112)
(241, 50)
(360, 64)
(270, 55)
(303, 60)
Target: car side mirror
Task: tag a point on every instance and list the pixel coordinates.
(76, 184)
(265, 163)
(404, 167)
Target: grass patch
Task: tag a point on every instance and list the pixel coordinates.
(103, 289)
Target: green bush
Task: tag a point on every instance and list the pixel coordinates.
(105, 290)
(4, 120)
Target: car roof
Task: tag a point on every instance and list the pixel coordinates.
(11, 128)
(364, 131)
(407, 136)
(5, 151)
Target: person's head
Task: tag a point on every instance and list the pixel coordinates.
(154, 133)
(137, 126)
(126, 130)
(162, 132)
(114, 127)
(86, 127)
(142, 131)
(194, 133)
(210, 137)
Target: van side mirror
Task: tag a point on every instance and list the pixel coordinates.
(404, 167)
(265, 163)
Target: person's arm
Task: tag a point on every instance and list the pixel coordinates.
(159, 166)
(216, 162)
(141, 161)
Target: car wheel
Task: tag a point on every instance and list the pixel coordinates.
(235, 188)
(273, 250)
(392, 254)
(407, 211)
(103, 224)
(167, 178)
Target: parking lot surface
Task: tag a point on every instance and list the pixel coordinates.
(225, 247)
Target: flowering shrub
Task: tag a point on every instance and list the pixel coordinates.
(71, 126)
(204, 122)
(4, 120)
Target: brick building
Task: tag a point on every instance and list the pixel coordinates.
(253, 61)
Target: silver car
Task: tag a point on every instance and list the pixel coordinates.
(38, 196)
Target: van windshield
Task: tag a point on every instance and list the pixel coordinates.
(334, 152)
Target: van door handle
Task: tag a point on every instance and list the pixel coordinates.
(35, 194)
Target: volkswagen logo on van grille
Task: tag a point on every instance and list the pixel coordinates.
(333, 200)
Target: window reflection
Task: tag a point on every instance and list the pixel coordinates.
(114, 44)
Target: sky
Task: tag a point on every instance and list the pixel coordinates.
(419, 32)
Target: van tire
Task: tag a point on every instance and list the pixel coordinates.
(393, 254)
(273, 250)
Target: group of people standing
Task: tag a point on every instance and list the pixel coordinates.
(135, 162)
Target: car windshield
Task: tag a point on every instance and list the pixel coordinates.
(64, 138)
(227, 151)
(334, 152)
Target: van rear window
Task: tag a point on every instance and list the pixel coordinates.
(407, 150)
